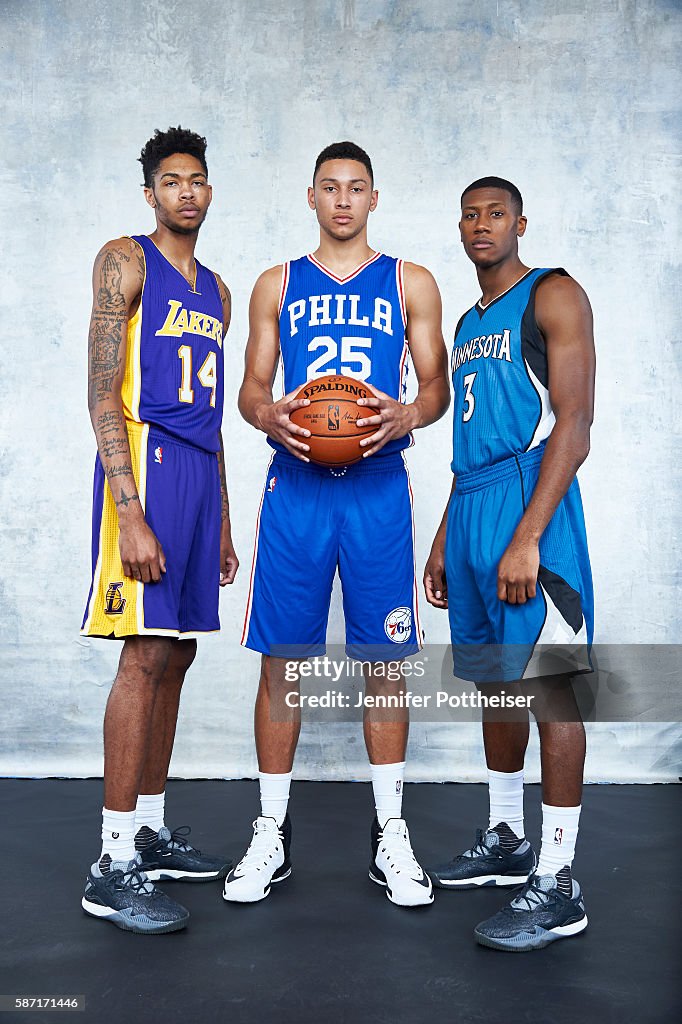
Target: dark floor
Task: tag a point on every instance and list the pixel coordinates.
(327, 946)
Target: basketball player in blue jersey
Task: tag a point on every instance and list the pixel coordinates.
(161, 526)
(343, 309)
(510, 559)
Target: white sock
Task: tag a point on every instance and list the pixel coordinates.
(387, 783)
(150, 811)
(118, 834)
(505, 790)
(559, 833)
(274, 795)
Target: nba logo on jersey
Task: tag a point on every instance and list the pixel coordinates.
(558, 836)
(158, 454)
(398, 625)
(398, 787)
(114, 602)
(272, 484)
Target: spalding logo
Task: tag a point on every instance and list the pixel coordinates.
(351, 388)
(398, 625)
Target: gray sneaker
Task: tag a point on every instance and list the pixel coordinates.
(120, 892)
(491, 861)
(541, 913)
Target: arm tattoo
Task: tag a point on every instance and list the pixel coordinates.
(123, 470)
(126, 499)
(109, 296)
(224, 501)
(105, 344)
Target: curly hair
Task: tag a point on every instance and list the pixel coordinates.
(163, 144)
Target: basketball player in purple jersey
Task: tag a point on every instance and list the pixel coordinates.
(161, 525)
(343, 309)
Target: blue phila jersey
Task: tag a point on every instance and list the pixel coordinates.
(353, 325)
(174, 360)
(500, 380)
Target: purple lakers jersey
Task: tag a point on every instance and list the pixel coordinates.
(354, 326)
(174, 361)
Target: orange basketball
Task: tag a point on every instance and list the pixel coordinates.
(331, 419)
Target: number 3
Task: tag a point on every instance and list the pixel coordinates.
(469, 397)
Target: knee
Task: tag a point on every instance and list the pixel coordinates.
(184, 653)
(144, 660)
(277, 676)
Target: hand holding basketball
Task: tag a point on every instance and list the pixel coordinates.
(274, 419)
(394, 419)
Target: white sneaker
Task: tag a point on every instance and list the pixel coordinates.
(265, 861)
(394, 865)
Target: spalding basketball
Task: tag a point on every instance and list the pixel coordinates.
(331, 419)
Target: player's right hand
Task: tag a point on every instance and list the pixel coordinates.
(273, 418)
(435, 583)
(141, 554)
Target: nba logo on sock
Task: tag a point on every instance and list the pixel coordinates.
(558, 836)
(398, 787)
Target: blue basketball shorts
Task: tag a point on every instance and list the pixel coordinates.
(179, 488)
(494, 641)
(313, 520)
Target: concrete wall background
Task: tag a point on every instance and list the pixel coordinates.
(576, 102)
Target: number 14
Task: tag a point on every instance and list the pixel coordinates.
(207, 375)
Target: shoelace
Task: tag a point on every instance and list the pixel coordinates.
(178, 840)
(532, 896)
(135, 880)
(260, 848)
(400, 853)
(479, 849)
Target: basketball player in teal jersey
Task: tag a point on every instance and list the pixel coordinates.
(510, 559)
(344, 308)
(161, 524)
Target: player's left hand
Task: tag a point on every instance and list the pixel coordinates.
(517, 573)
(394, 419)
(229, 563)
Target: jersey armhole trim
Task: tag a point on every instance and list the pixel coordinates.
(283, 287)
(400, 286)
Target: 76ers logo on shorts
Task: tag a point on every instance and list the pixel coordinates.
(398, 625)
(114, 602)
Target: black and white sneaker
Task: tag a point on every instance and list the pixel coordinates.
(498, 857)
(120, 892)
(168, 856)
(539, 914)
(266, 861)
(395, 866)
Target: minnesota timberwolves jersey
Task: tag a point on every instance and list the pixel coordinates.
(353, 325)
(174, 361)
(500, 379)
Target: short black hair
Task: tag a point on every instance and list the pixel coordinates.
(163, 144)
(344, 151)
(493, 182)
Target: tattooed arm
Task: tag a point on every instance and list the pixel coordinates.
(229, 563)
(117, 284)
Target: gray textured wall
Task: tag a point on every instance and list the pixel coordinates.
(577, 102)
